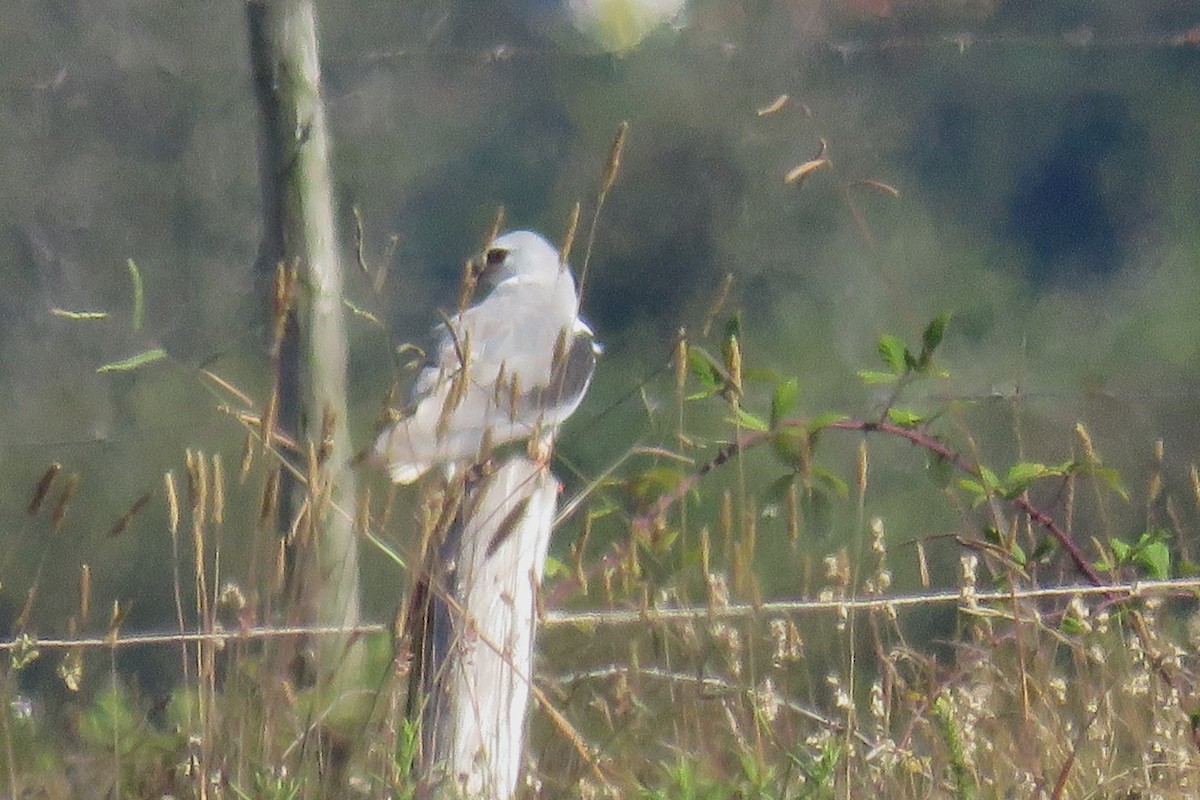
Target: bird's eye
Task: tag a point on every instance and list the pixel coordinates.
(495, 257)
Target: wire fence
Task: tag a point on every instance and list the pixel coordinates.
(615, 617)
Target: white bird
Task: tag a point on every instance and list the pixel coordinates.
(513, 366)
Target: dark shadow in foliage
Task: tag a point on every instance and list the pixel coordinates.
(658, 237)
(1073, 208)
(945, 146)
(513, 164)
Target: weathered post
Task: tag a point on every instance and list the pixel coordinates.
(472, 679)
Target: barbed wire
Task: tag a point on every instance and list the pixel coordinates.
(610, 617)
(882, 603)
(219, 636)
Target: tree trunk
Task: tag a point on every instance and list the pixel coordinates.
(300, 231)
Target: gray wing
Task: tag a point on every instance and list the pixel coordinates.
(571, 374)
(507, 337)
(442, 362)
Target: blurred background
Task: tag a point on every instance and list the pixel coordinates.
(1044, 155)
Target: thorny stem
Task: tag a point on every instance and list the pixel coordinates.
(917, 436)
(649, 519)
(930, 444)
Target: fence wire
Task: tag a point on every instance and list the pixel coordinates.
(612, 617)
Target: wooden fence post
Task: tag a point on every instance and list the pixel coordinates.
(473, 673)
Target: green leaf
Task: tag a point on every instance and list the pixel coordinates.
(1120, 551)
(934, 332)
(784, 400)
(873, 378)
(652, 484)
(792, 446)
(893, 353)
(135, 275)
(1045, 546)
(1025, 471)
(1113, 479)
(972, 485)
(744, 419)
(1070, 467)
(705, 369)
(904, 417)
(832, 480)
(1011, 549)
(556, 568)
(662, 543)
(1021, 475)
(1071, 626)
(79, 315)
(1155, 559)
(988, 478)
(822, 421)
(133, 362)
(976, 489)
(1150, 553)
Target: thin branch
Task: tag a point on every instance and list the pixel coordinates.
(917, 436)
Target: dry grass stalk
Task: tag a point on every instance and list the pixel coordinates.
(125, 519)
(42, 489)
(59, 515)
(569, 237)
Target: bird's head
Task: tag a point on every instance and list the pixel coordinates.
(519, 255)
